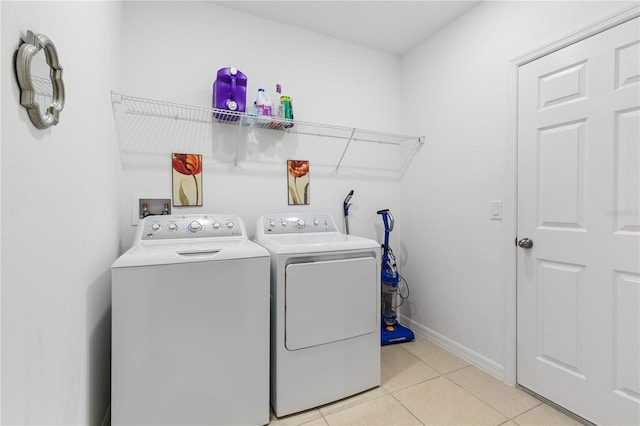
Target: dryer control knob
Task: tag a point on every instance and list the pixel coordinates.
(300, 223)
(272, 223)
(173, 226)
(194, 226)
(283, 223)
(230, 225)
(216, 225)
(156, 226)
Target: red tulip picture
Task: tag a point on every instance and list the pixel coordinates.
(187, 179)
(297, 179)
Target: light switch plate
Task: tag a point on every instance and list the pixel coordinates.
(495, 210)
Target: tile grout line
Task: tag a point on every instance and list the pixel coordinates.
(407, 408)
(481, 400)
(489, 405)
(526, 411)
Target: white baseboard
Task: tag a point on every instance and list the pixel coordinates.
(463, 352)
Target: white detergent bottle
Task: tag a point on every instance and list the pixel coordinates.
(265, 101)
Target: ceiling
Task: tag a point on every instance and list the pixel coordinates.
(395, 27)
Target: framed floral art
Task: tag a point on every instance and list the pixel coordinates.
(298, 182)
(187, 179)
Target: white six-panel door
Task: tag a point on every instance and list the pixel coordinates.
(578, 291)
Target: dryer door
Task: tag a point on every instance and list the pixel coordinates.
(328, 301)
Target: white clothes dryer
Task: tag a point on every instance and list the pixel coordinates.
(190, 325)
(325, 311)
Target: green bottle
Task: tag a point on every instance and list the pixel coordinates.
(288, 111)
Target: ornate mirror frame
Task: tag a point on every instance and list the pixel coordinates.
(33, 44)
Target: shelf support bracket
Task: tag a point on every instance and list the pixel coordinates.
(116, 98)
(346, 148)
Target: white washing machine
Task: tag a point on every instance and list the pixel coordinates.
(190, 325)
(325, 311)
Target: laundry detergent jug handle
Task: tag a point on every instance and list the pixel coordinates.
(233, 72)
(232, 95)
(231, 102)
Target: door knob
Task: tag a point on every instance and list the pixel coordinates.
(526, 243)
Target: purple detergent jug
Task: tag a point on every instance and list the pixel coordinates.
(230, 93)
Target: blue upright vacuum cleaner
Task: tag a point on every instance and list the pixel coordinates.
(392, 330)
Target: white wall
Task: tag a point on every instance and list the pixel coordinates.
(60, 195)
(457, 84)
(172, 53)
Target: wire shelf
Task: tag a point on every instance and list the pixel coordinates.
(147, 126)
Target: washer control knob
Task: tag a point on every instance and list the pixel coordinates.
(315, 222)
(216, 225)
(156, 226)
(230, 225)
(173, 226)
(283, 222)
(272, 223)
(300, 223)
(194, 226)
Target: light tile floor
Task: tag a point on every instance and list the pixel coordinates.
(423, 384)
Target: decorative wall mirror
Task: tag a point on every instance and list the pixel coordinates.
(40, 78)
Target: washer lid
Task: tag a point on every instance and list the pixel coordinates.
(314, 243)
(147, 253)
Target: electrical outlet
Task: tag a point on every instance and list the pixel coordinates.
(155, 205)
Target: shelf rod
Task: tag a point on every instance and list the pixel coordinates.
(173, 117)
(407, 160)
(345, 149)
(347, 138)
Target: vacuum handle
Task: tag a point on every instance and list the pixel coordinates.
(387, 218)
(345, 204)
